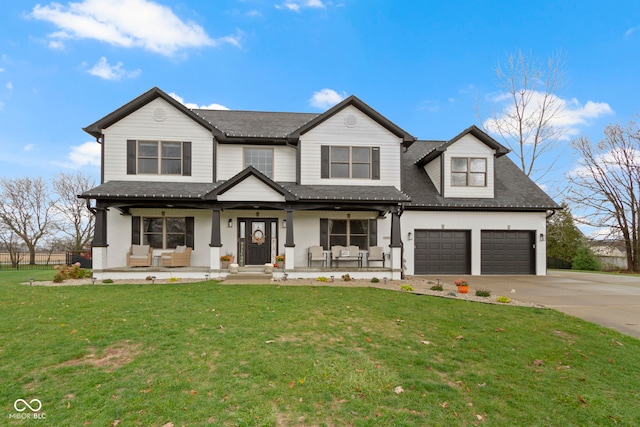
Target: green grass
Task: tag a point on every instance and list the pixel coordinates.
(206, 354)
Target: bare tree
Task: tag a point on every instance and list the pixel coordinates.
(26, 210)
(607, 185)
(528, 124)
(75, 219)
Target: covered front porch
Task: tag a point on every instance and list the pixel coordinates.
(301, 231)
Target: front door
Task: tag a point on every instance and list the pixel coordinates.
(259, 240)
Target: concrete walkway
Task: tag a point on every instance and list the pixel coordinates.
(608, 300)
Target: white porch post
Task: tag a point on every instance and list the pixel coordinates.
(98, 258)
(289, 246)
(395, 247)
(216, 244)
(214, 259)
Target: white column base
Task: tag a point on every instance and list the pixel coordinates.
(290, 258)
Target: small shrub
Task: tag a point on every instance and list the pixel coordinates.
(346, 277)
(406, 288)
(70, 272)
(483, 293)
(322, 279)
(503, 299)
(585, 260)
(107, 281)
(375, 280)
(437, 288)
(452, 294)
(174, 279)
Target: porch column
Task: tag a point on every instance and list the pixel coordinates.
(289, 246)
(395, 253)
(216, 241)
(100, 231)
(99, 244)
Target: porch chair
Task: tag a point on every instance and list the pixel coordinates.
(349, 253)
(376, 253)
(139, 256)
(316, 253)
(181, 257)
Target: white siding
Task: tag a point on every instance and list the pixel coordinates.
(475, 222)
(433, 169)
(365, 133)
(231, 161)
(119, 232)
(253, 189)
(175, 127)
(468, 146)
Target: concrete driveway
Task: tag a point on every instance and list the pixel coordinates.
(608, 300)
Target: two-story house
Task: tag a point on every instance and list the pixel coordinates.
(262, 184)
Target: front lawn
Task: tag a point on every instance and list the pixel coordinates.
(209, 354)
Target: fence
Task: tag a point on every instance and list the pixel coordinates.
(43, 260)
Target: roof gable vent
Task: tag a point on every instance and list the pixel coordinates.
(159, 115)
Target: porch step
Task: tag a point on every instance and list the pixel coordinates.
(248, 278)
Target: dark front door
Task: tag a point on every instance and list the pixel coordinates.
(258, 240)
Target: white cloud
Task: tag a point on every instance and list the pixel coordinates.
(572, 114)
(29, 147)
(1, 70)
(326, 98)
(296, 6)
(125, 23)
(87, 154)
(9, 86)
(103, 70)
(196, 106)
(631, 31)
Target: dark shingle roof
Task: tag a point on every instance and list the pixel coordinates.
(202, 191)
(346, 192)
(150, 190)
(513, 189)
(255, 123)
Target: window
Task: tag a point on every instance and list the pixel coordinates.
(349, 232)
(468, 172)
(350, 162)
(160, 157)
(261, 159)
(164, 233)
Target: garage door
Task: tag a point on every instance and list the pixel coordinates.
(442, 252)
(507, 252)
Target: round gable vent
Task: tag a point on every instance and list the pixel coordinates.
(159, 115)
(350, 121)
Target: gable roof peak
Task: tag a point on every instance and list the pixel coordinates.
(95, 129)
(352, 100)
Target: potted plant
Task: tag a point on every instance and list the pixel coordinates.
(279, 260)
(463, 286)
(225, 260)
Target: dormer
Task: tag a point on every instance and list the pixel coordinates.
(464, 167)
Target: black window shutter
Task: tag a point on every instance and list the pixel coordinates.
(131, 157)
(324, 162)
(375, 163)
(373, 232)
(186, 158)
(324, 233)
(135, 230)
(189, 238)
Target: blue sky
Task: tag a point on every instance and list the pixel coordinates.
(426, 65)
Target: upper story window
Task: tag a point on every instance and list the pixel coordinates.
(261, 159)
(350, 162)
(468, 172)
(158, 157)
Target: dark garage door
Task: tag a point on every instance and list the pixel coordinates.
(507, 252)
(442, 252)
